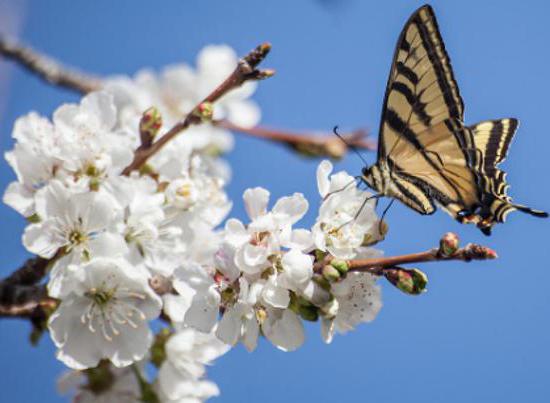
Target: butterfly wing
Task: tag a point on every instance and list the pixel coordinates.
(421, 89)
(492, 139)
(422, 139)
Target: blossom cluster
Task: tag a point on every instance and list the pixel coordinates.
(109, 237)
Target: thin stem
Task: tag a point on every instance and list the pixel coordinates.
(308, 144)
(245, 71)
(377, 265)
(47, 68)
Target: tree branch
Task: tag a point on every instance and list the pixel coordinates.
(55, 73)
(377, 265)
(307, 144)
(24, 300)
(32, 271)
(245, 71)
(448, 250)
(47, 68)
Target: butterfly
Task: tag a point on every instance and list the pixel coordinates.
(427, 156)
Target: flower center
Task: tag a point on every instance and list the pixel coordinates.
(184, 190)
(111, 308)
(77, 237)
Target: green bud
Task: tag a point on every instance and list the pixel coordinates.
(321, 282)
(205, 111)
(448, 245)
(331, 274)
(149, 126)
(319, 255)
(340, 265)
(410, 281)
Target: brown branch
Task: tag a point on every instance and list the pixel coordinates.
(24, 300)
(448, 250)
(32, 271)
(307, 144)
(245, 71)
(377, 265)
(56, 73)
(48, 69)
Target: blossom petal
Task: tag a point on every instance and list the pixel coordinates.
(290, 209)
(323, 171)
(255, 200)
(284, 329)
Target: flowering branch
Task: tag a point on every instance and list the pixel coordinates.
(47, 68)
(307, 144)
(245, 71)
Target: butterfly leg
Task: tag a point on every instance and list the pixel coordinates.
(367, 199)
(355, 179)
(383, 215)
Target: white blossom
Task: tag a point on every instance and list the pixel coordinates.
(344, 218)
(104, 312)
(357, 299)
(193, 279)
(187, 353)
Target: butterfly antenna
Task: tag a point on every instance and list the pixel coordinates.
(350, 146)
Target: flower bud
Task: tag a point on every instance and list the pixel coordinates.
(410, 281)
(478, 252)
(331, 274)
(205, 111)
(340, 265)
(321, 282)
(448, 245)
(265, 73)
(149, 126)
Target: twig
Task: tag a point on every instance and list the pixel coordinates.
(466, 254)
(245, 71)
(448, 250)
(307, 144)
(47, 68)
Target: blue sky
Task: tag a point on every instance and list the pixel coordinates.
(481, 332)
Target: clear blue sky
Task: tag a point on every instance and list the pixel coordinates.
(482, 332)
